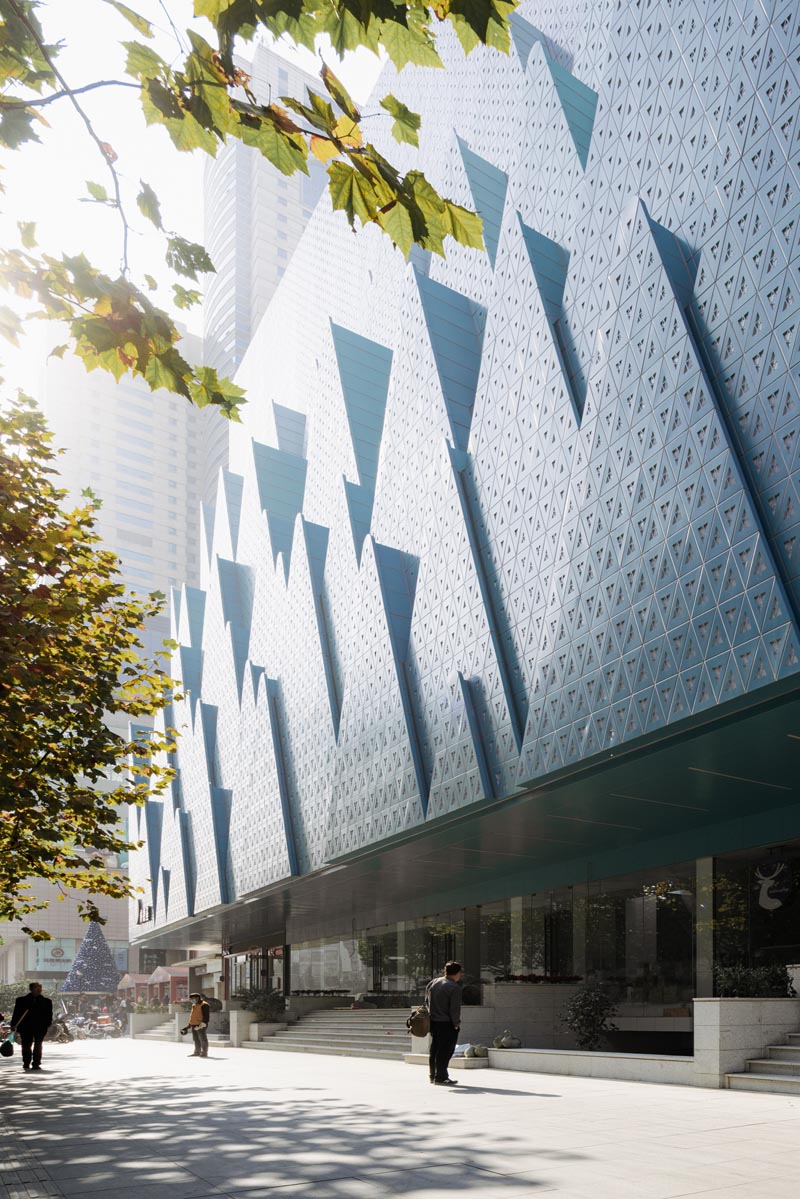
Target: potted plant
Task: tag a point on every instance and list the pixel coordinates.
(588, 1015)
(771, 981)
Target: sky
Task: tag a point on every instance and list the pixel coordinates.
(46, 182)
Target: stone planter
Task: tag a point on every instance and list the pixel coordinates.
(143, 1021)
(531, 1011)
(729, 1031)
(263, 1028)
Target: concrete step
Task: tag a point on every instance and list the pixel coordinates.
(391, 1044)
(322, 1030)
(358, 1021)
(768, 1065)
(784, 1053)
(276, 1046)
(781, 1084)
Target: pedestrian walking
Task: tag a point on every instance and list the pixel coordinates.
(31, 1018)
(443, 999)
(199, 1017)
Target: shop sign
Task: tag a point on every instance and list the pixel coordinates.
(773, 882)
(56, 955)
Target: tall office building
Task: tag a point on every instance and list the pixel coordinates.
(142, 453)
(254, 217)
(499, 653)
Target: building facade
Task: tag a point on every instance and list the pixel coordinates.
(254, 217)
(496, 652)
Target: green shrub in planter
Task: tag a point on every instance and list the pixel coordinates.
(267, 1006)
(588, 1015)
(753, 982)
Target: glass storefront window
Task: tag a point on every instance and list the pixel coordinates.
(757, 906)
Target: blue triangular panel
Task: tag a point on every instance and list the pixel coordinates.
(281, 479)
(488, 185)
(524, 36)
(208, 716)
(360, 501)
(455, 327)
(188, 860)
(233, 486)
(195, 609)
(397, 574)
(165, 880)
(191, 668)
(364, 370)
(290, 427)
(580, 105)
(221, 820)
(578, 100)
(316, 550)
(153, 819)
(550, 262)
(275, 715)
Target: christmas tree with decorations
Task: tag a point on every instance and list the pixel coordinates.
(93, 971)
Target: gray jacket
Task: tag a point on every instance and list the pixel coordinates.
(443, 997)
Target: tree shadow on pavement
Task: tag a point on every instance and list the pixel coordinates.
(199, 1135)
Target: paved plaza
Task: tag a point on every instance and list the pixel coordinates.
(132, 1120)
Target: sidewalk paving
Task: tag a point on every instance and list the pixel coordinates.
(138, 1120)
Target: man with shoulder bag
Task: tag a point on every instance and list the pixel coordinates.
(31, 1018)
(443, 1000)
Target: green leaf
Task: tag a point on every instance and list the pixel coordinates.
(187, 258)
(16, 127)
(464, 226)
(151, 283)
(351, 193)
(184, 297)
(270, 134)
(339, 92)
(97, 192)
(208, 388)
(134, 18)
(409, 45)
(396, 222)
(148, 204)
(406, 124)
(142, 62)
(10, 325)
(27, 232)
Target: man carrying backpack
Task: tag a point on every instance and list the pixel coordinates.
(443, 1000)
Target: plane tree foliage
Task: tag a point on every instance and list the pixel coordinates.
(204, 99)
(71, 662)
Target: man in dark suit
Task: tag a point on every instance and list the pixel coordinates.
(32, 1016)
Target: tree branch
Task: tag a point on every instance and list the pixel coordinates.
(101, 145)
(75, 91)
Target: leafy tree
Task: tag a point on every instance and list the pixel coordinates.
(70, 656)
(202, 102)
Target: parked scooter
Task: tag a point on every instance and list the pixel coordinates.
(59, 1032)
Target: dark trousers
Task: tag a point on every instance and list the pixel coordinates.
(200, 1041)
(444, 1036)
(31, 1047)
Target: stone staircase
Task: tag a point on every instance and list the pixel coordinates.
(778, 1072)
(346, 1033)
(166, 1032)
